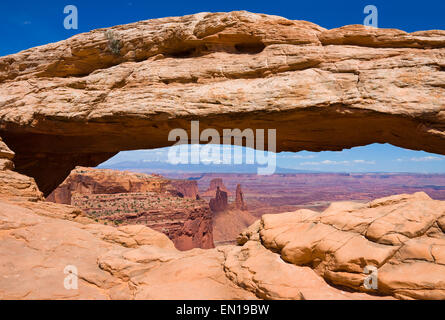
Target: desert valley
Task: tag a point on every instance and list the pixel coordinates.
(200, 211)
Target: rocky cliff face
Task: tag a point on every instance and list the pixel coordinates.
(228, 224)
(229, 219)
(187, 222)
(84, 180)
(296, 255)
(186, 188)
(122, 198)
(75, 102)
(220, 202)
(105, 181)
(12, 184)
(239, 199)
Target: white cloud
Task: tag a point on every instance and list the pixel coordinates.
(428, 158)
(422, 159)
(324, 162)
(299, 156)
(364, 161)
(331, 162)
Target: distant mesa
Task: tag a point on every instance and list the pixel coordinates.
(106, 181)
(214, 185)
(186, 188)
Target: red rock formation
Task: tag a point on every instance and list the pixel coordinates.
(229, 219)
(219, 203)
(187, 222)
(400, 236)
(105, 181)
(239, 199)
(123, 197)
(214, 185)
(188, 188)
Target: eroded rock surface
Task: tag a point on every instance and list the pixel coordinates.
(186, 188)
(239, 199)
(79, 101)
(228, 224)
(135, 262)
(295, 255)
(401, 236)
(220, 202)
(12, 184)
(215, 184)
(106, 181)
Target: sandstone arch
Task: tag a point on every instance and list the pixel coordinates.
(75, 102)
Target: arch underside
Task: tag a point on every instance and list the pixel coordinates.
(50, 158)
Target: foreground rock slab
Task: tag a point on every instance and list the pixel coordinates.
(39, 240)
(402, 237)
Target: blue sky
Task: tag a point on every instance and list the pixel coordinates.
(26, 24)
(371, 158)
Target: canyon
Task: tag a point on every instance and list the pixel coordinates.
(77, 103)
(316, 191)
(229, 219)
(169, 206)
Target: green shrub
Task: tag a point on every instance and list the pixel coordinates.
(114, 44)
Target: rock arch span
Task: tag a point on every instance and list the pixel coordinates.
(76, 102)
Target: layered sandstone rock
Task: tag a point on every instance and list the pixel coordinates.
(187, 222)
(123, 197)
(106, 181)
(77, 102)
(12, 184)
(220, 202)
(186, 188)
(401, 236)
(135, 262)
(239, 199)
